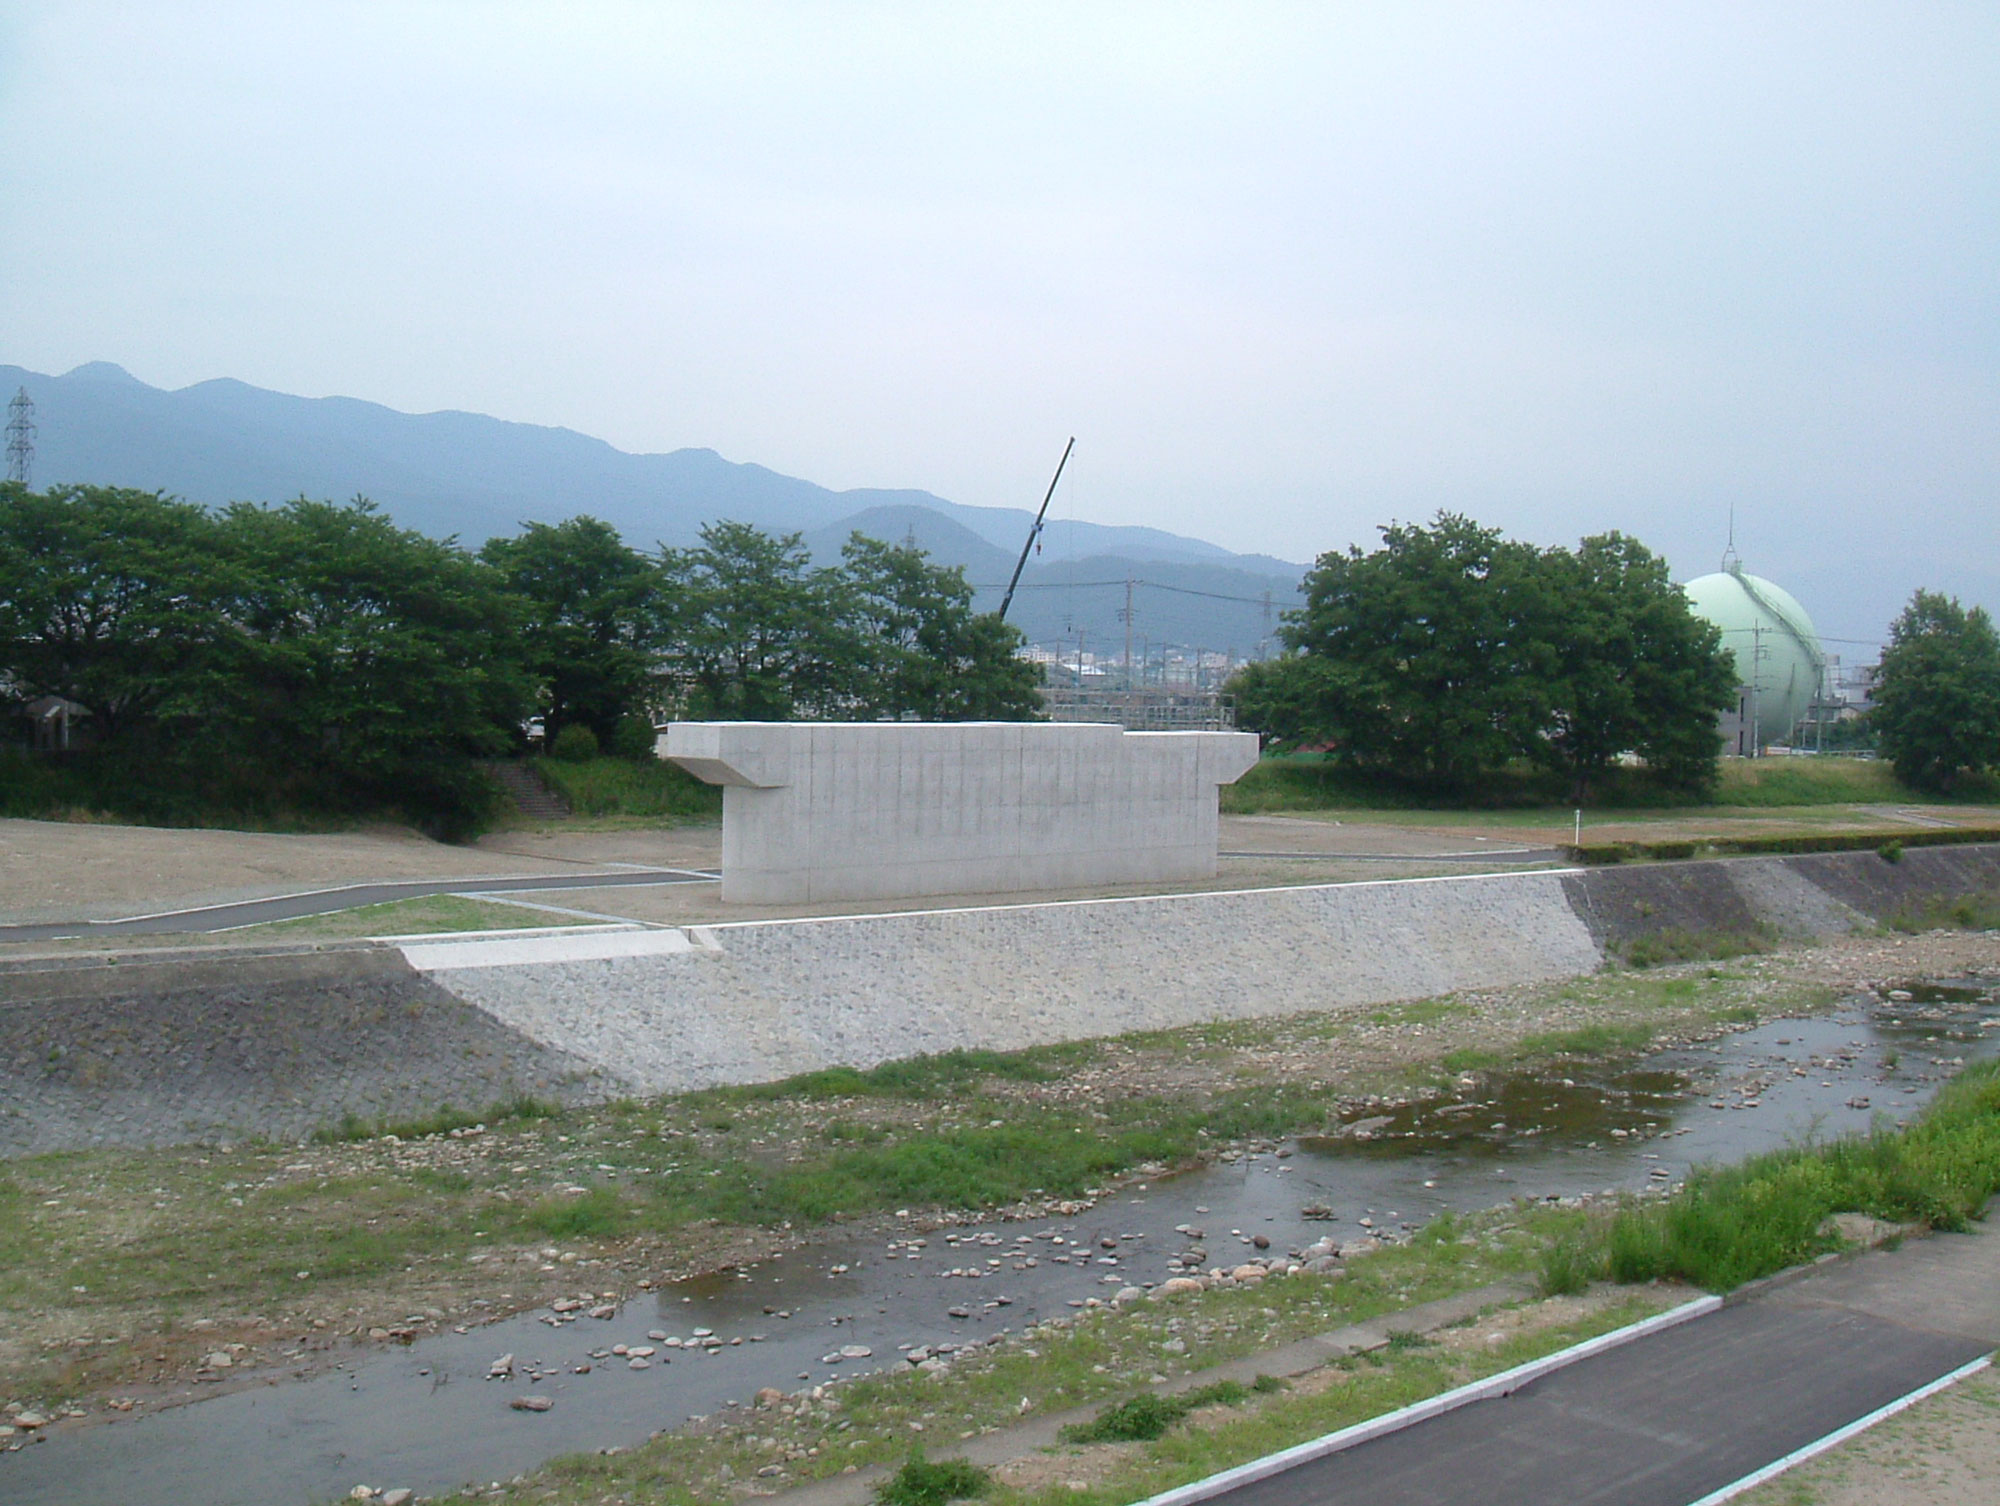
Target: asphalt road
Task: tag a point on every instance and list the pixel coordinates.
(1661, 1421)
(253, 912)
(1673, 1416)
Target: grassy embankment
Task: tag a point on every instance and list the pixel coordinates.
(133, 1246)
(1309, 782)
(645, 788)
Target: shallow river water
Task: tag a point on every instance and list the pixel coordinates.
(427, 1417)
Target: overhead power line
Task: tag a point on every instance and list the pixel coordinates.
(1121, 583)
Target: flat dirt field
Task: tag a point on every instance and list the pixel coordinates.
(57, 871)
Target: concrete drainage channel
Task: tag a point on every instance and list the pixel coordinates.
(152, 1049)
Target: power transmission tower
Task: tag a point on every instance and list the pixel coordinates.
(21, 438)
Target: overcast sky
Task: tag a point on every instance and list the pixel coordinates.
(1286, 271)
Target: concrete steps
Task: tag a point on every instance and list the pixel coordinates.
(536, 800)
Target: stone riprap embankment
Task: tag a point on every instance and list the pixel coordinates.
(763, 1000)
(212, 1047)
(173, 1049)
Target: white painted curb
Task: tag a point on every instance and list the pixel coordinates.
(1449, 1401)
(1839, 1436)
(522, 951)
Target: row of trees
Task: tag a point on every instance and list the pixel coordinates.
(319, 648)
(1451, 652)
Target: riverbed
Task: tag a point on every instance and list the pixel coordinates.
(432, 1416)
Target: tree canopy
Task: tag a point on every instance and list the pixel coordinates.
(1451, 651)
(316, 655)
(1937, 693)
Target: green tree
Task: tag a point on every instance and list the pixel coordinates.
(1450, 651)
(115, 599)
(1937, 694)
(596, 621)
(1423, 667)
(1632, 669)
(761, 634)
(926, 652)
(380, 662)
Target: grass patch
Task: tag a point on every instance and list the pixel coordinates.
(1309, 781)
(1586, 1040)
(630, 787)
(910, 1077)
(429, 914)
(1736, 1224)
(1776, 783)
(1677, 944)
(1778, 844)
(923, 1483)
(1148, 1415)
(353, 1127)
(1946, 912)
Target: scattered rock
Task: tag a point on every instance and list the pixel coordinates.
(531, 1404)
(504, 1366)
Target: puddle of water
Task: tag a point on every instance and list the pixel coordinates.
(428, 1418)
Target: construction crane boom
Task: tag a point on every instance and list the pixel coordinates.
(1035, 532)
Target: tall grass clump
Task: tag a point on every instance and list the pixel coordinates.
(1734, 1225)
(630, 787)
(923, 1483)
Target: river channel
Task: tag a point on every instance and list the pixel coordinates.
(427, 1417)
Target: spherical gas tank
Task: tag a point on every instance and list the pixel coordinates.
(1773, 640)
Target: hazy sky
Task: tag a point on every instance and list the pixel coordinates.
(1286, 271)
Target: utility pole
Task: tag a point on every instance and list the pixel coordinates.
(1127, 615)
(1756, 679)
(21, 438)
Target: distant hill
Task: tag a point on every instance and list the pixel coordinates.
(474, 477)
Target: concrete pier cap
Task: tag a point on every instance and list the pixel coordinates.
(890, 810)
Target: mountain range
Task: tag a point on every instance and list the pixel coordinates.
(473, 477)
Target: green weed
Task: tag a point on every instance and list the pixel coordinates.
(1734, 1225)
(1675, 944)
(1147, 1416)
(630, 787)
(1944, 912)
(923, 1483)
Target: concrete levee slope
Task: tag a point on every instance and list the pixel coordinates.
(1784, 898)
(762, 1000)
(210, 1047)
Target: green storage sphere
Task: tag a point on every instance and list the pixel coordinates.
(1776, 649)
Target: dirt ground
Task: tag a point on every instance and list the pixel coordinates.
(52, 870)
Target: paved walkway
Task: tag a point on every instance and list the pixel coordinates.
(1667, 1419)
(230, 917)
